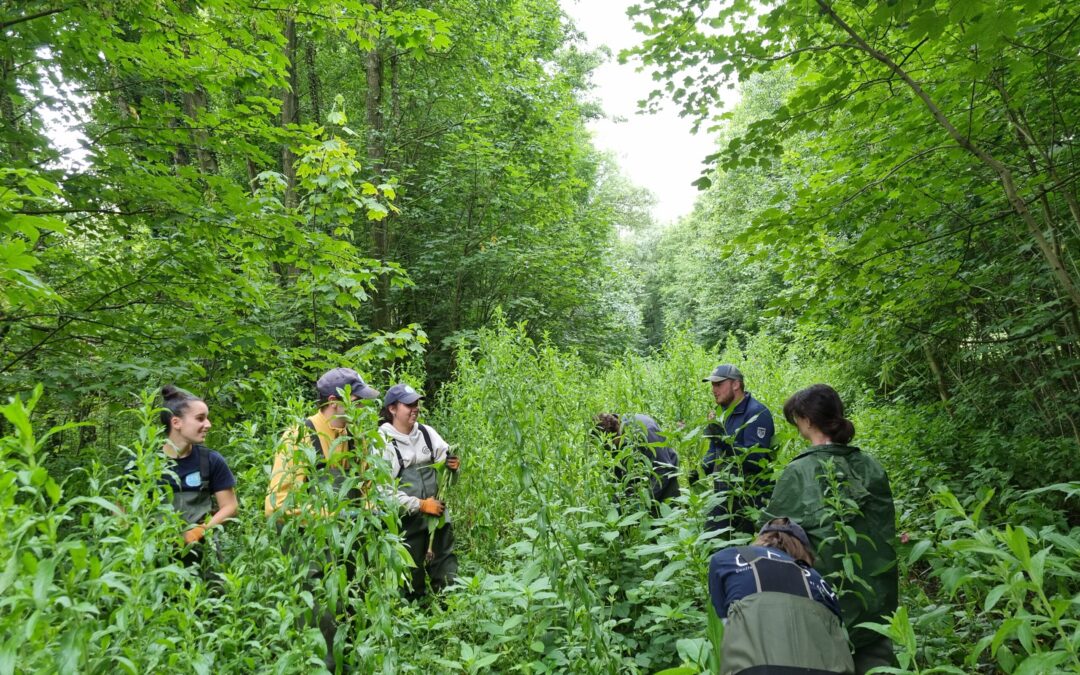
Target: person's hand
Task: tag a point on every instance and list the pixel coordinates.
(431, 506)
(453, 462)
(194, 534)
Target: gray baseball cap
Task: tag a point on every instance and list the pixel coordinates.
(724, 372)
(401, 393)
(792, 528)
(334, 381)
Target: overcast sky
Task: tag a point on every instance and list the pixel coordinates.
(657, 152)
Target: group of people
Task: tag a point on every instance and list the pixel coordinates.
(197, 474)
(786, 599)
(824, 558)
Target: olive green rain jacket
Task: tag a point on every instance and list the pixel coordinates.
(800, 496)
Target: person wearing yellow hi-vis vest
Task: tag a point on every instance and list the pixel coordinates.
(327, 433)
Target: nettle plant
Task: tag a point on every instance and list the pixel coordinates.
(1021, 581)
(92, 582)
(994, 596)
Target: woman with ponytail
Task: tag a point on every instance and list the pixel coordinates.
(194, 472)
(833, 489)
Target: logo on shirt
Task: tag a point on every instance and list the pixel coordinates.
(193, 480)
(761, 432)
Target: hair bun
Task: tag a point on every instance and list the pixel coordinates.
(171, 391)
(844, 432)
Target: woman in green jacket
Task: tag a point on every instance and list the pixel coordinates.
(863, 503)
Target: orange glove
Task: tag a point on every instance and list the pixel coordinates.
(431, 506)
(453, 462)
(194, 534)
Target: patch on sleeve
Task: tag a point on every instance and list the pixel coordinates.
(761, 431)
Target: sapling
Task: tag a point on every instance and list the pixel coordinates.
(436, 522)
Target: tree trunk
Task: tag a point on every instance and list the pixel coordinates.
(939, 377)
(290, 113)
(180, 151)
(376, 152)
(314, 89)
(7, 108)
(253, 175)
(194, 102)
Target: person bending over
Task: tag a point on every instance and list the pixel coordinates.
(780, 615)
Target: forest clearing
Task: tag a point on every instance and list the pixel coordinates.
(393, 214)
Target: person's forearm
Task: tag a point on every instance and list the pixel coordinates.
(221, 516)
(228, 505)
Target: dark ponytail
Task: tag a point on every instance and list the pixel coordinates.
(384, 415)
(822, 406)
(174, 401)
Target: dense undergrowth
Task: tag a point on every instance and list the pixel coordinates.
(558, 575)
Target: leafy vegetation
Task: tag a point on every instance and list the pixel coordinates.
(410, 189)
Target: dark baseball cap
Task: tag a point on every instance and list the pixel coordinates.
(790, 527)
(334, 381)
(724, 372)
(401, 393)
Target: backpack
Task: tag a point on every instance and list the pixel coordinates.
(780, 629)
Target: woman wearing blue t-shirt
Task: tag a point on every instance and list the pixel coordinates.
(778, 611)
(197, 475)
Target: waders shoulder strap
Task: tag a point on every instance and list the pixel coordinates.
(204, 468)
(316, 441)
(775, 575)
(427, 440)
(400, 459)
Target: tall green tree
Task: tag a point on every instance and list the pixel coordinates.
(207, 235)
(932, 234)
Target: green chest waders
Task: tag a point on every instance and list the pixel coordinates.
(780, 629)
(332, 478)
(195, 505)
(420, 480)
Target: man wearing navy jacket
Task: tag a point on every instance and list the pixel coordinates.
(740, 455)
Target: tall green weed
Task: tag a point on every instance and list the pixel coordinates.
(563, 569)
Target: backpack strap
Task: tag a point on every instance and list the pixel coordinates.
(204, 468)
(316, 442)
(775, 575)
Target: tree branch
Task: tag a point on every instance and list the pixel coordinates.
(4, 25)
(1005, 177)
